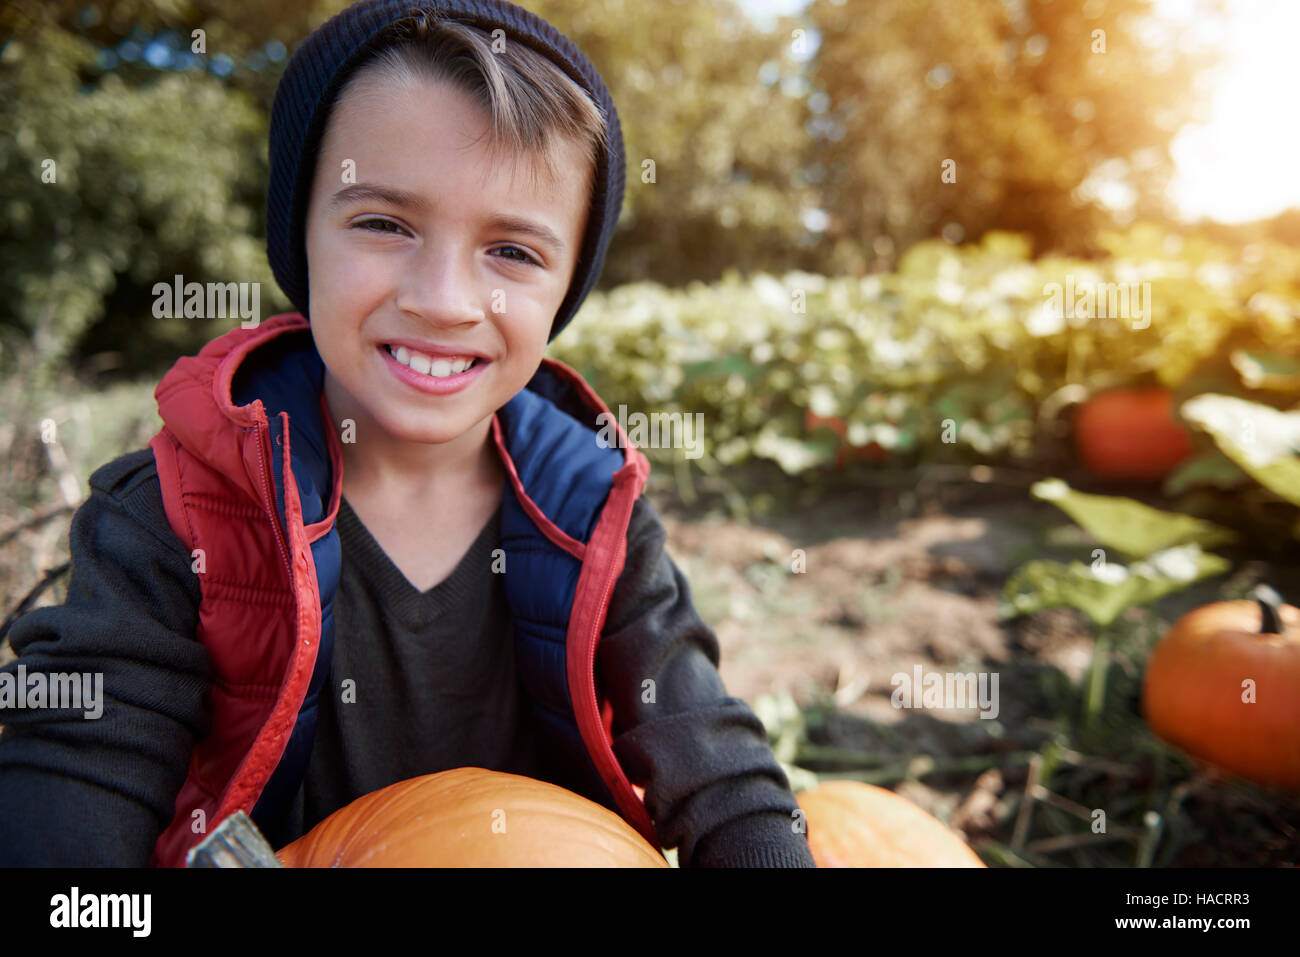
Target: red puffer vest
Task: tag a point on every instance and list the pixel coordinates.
(251, 475)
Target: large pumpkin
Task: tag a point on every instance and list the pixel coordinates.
(1200, 676)
(1130, 434)
(853, 824)
(471, 817)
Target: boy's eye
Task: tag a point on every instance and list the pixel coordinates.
(366, 223)
(527, 259)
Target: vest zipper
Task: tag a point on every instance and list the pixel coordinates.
(268, 486)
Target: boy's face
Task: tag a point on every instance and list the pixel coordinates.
(433, 266)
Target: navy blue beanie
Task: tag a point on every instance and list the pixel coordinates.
(322, 64)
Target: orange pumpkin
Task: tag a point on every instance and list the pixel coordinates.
(1196, 680)
(873, 451)
(471, 817)
(1130, 434)
(853, 824)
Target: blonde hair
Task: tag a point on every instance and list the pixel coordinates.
(530, 100)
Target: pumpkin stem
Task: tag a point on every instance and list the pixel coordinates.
(1270, 603)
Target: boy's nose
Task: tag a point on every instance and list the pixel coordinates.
(441, 286)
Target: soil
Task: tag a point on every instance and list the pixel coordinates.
(826, 601)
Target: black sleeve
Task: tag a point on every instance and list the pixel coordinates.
(85, 791)
(713, 787)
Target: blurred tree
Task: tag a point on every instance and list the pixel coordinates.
(1031, 106)
(129, 159)
(717, 105)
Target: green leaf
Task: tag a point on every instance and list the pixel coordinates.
(1208, 468)
(1102, 591)
(1128, 526)
(1259, 438)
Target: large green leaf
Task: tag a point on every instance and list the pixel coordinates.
(1128, 526)
(1259, 438)
(1103, 590)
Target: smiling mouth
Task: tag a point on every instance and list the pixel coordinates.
(440, 367)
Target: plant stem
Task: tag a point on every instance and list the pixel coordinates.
(1004, 855)
(1150, 839)
(1269, 603)
(1095, 695)
(1021, 830)
(1041, 793)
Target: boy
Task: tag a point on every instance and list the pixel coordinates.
(385, 542)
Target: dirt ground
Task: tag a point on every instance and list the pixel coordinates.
(896, 576)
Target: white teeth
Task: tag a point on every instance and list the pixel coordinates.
(426, 365)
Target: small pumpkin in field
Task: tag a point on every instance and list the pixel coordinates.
(472, 817)
(1130, 434)
(1199, 682)
(854, 824)
(873, 451)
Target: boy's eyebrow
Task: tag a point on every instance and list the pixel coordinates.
(383, 194)
(413, 201)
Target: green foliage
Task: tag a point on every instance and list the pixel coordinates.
(1128, 525)
(1207, 468)
(1261, 440)
(1168, 543)
(950, 357)
(1105, 589)
(145, 182)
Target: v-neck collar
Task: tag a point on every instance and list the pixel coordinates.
(395, 590)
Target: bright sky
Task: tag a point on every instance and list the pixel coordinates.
(1244, 163)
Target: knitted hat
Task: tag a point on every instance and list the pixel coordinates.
(323, 63)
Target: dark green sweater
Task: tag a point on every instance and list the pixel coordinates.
(432, 687)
